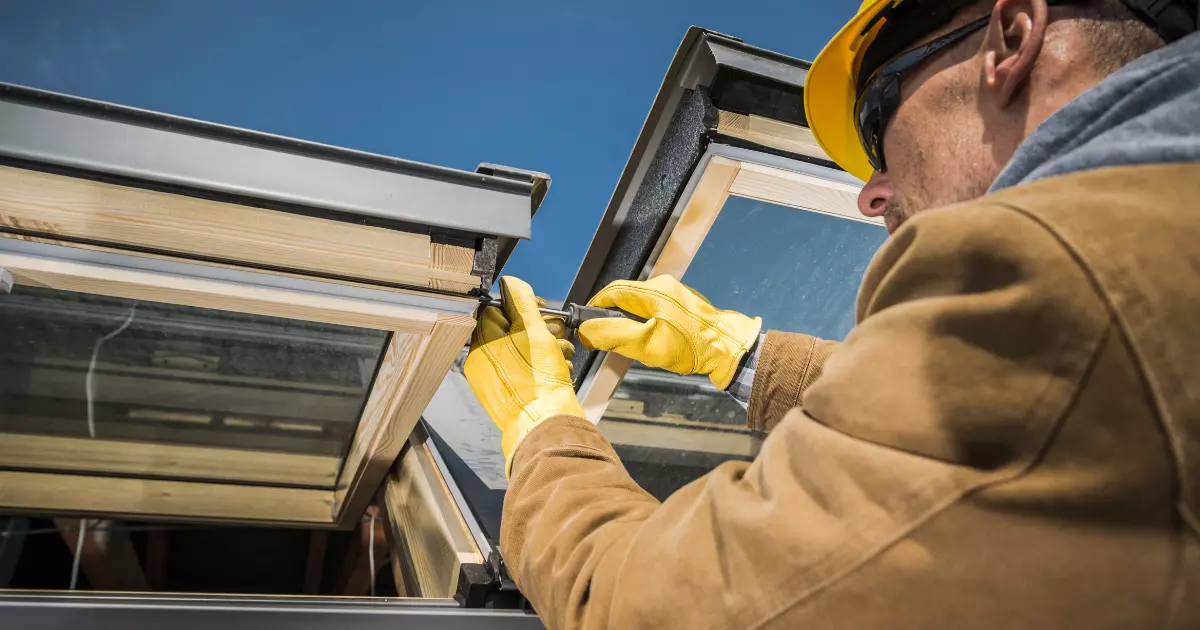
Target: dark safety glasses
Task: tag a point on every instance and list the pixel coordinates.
(879, 96)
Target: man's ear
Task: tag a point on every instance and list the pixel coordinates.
(1012, 44)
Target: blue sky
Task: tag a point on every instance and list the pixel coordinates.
(560, 87)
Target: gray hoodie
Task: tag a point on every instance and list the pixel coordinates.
(1145, 113)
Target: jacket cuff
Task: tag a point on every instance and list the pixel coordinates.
(787, 364)
(558, 430)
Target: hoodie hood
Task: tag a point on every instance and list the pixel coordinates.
(1145, 113)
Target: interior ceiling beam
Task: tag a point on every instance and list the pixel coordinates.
(106, 555)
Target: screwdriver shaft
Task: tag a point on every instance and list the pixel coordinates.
(544, 311)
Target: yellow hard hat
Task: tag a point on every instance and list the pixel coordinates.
(829, 90)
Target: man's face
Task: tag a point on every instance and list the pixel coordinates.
(964, 111)
(935, 144)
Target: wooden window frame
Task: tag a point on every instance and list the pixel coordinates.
(427, 333)
(815, 189)
(769, 132)
(431, 538)
(48, 205)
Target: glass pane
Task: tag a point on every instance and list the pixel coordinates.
(800, 271)
(106, 385)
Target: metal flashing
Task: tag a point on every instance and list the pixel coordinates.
(764, 63)
(798, 165)
(716, 50)
(541, 185)
(92, 136)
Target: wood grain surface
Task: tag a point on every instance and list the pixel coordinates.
(47, 493)
(799, 190)
(207, 263)
(770, 133)
(433, 537)
(59, 206)
(387, 425)
(52, 453)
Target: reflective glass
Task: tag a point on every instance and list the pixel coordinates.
(105, 385)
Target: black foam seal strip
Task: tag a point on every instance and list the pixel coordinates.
(749, 94)
(682, 145)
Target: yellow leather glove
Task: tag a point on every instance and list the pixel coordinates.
(682, 333)
(517, 367)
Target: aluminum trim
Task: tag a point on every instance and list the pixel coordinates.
(512, 179)
(201, 155)
(758, 61)
(788, 164)
(153, 612)
(248, 278)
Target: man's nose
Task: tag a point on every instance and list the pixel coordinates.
(874, 197)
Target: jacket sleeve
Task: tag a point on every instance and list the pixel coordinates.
(973, 338)
(787, 364)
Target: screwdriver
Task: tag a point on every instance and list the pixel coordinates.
(576, 314)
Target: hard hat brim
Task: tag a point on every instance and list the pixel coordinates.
(829, 93)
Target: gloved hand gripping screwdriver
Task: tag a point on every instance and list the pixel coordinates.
(576, 314)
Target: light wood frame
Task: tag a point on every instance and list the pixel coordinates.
(73, 454)
(769, 133)
(70, 208)
(425, 339)
(714, 183)
(431, 539)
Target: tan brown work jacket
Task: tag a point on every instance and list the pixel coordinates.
(1010, 438)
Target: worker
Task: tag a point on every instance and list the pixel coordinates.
(1010, 437)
